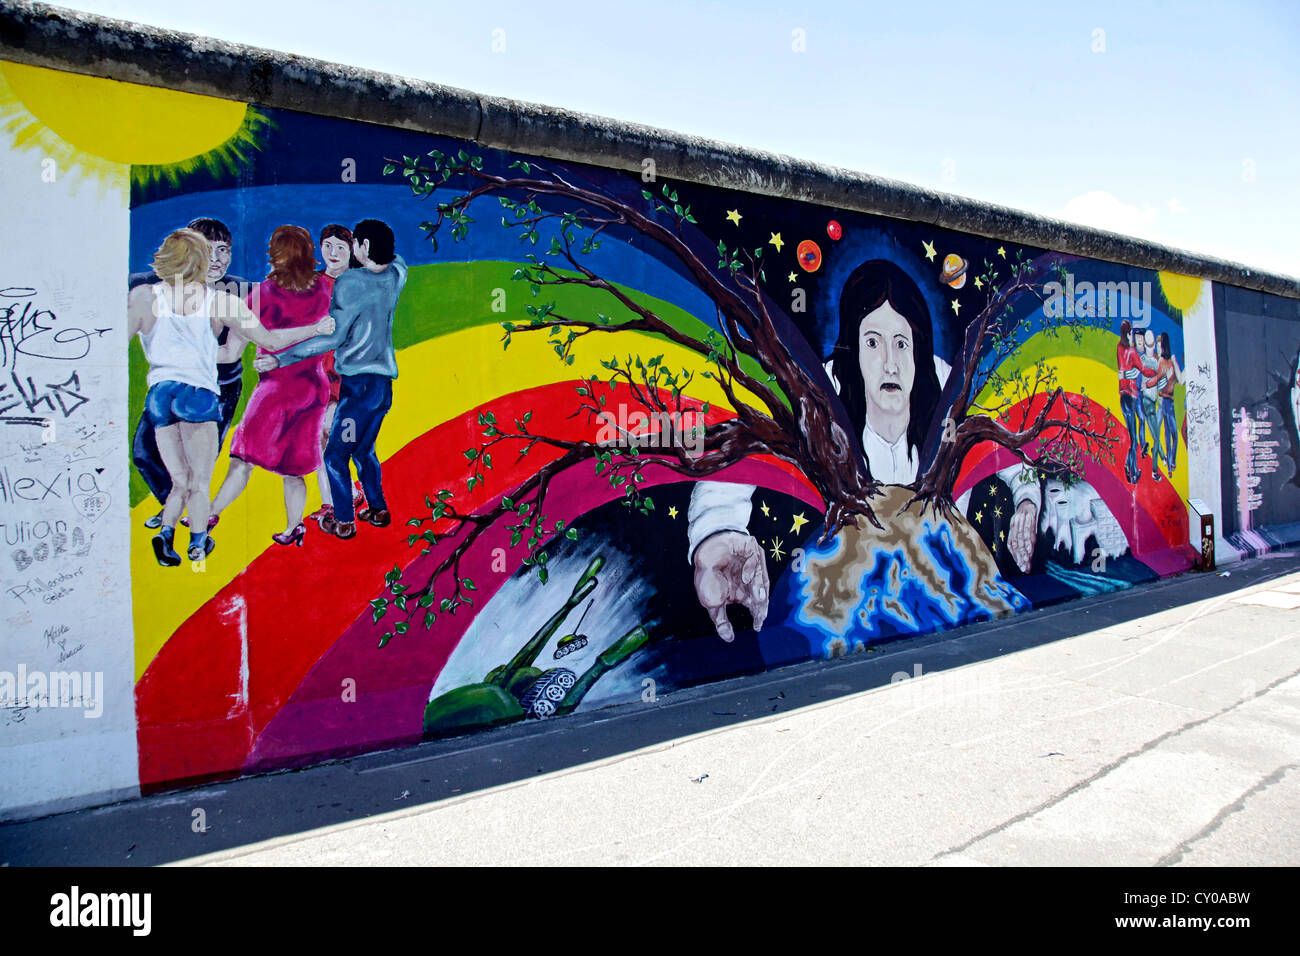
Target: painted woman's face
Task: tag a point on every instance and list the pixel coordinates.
(885, 352)
(335, 252)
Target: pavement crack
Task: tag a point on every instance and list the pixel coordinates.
(1176, 855)
(1106, 770)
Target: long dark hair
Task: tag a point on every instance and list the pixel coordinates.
(870, 286)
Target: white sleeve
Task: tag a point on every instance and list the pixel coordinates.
(716, 506)
(942, 370)
(1023, 488)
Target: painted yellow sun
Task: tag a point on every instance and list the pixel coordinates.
(98, 125)
(1180, 291)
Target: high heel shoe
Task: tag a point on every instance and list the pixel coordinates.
(212, 521)
(293, 537)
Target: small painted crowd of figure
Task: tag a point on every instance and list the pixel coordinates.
(1148, 405)
(326, 362)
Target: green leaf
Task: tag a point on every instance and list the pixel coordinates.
(390, 168)
(471, 454)
(571, 534)
(542, 575)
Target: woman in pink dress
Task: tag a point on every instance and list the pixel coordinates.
(280, 430)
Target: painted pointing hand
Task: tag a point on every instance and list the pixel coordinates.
(1020, 536)
(730, 568)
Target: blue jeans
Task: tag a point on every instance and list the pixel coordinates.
(364, 400)
(1152, 416)
(1129, 406)
(1169, 424)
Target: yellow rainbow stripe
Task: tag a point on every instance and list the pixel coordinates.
(1100, 382)
(440, 379)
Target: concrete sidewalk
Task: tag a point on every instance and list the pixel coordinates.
(1159, 726)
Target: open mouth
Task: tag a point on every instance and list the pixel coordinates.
(891, 387)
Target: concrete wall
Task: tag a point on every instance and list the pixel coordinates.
(770, 412)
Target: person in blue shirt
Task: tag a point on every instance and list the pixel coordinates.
(363, 306)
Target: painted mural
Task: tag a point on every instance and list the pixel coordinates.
(1259, 382)
(420, 437)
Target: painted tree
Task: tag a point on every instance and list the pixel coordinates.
(1022, 407)
(780, 409)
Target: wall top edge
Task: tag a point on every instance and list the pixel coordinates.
(42, 35)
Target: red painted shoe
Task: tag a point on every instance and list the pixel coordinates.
(324, 511)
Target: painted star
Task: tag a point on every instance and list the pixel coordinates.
(799, 522)
(929, 250)
(979, 516)
(956, 307)
(792, 277)
(993, 489)
(777, 241)
(734, 216)
(763, 508)
(1002, 535)
(979, 283)
(997, 511)
(1002, 251)
(776, 551)
(672, 512)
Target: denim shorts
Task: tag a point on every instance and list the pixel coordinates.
(168, 403)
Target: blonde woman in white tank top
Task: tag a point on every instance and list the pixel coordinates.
(178, 321)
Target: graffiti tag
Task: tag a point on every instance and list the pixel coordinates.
(26, 329)
(62, 397)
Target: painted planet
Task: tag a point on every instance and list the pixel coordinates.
(833, 230)
(954, 271)
(809, 255)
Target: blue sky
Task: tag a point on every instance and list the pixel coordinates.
(1177, 122)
